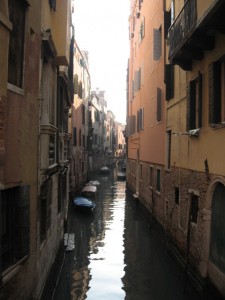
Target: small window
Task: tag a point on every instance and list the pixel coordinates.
(52, 4)
(169, 136)
(158, 180)
(151, 170)
(51, 150)
(194, 208)
(141, 171)
(74, 136)
(157, 44)
(17, 12)
(177, 195)
(159, 105)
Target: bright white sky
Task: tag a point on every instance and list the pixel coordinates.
(101, 28)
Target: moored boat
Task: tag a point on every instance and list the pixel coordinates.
(104, 170)
(84, 204)
(121, 175)
(89, 191)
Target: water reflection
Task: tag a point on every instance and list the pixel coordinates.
(120, 252)
(99, 250)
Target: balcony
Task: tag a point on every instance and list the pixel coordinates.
(193, 31)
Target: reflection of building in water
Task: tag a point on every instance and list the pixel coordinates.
(80, 283)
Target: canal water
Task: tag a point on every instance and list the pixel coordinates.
(120, 252)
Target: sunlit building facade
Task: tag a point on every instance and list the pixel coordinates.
(195, 177)
(146, 106)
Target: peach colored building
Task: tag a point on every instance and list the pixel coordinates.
(146, 105)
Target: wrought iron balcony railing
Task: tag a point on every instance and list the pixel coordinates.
(182, 27)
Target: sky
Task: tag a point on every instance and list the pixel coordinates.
(101, 28)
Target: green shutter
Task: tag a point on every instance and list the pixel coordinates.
(214, 93)
(192, 109)
(200, 101)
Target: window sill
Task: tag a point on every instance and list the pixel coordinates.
(12, 271)
(217, 125)
(5, 21)
(15, 89)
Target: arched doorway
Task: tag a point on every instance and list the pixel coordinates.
(217, 240)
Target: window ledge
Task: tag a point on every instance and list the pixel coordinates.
(12, 271)
(15, 89)
(5, 21)
(217, 125)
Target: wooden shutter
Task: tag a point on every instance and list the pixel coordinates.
(192, 103)
(74, 136)
(167, 23)
(159, 105)
(214, 93)
(22, 223)
(157, 44)
(169, 81)
(200, 101)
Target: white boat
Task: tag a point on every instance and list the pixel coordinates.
(104, 170)
(89, 191)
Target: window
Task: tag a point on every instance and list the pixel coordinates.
(157, 43)
(217, 92)
(159, 105)
(76, 84)
(131, 125)
(158, 180)
(194, 208)
(45, 207)
(14, 225)
(151, 170)
(177, 195)
(141, 170)
(194, 102)
(169, 81)
(52, 4)
(169, 136)
(74, 136)
(51, 151)
(17, 12)
(142, 30)
(137, 80)
(140, 119)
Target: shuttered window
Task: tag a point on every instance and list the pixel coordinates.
(74, 136)
(17, 14)
(194, 104)
(137, 80)
(157, 43)
(131, 125)
(215, 93)
(140, 119)
(159, 105)
(167, 23)
(169, 81)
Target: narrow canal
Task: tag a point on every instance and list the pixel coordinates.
(120, 253)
